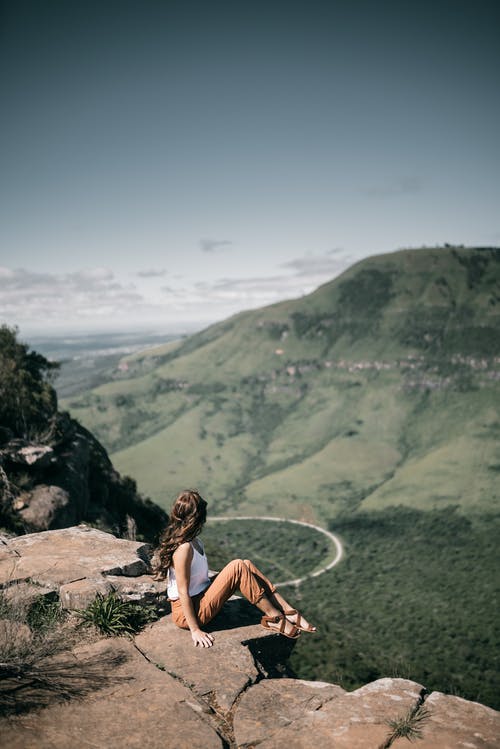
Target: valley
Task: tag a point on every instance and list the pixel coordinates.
(369, 408)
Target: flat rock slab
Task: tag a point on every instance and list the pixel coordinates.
(56, 557)
(454, 723)
(274, 703)
(23, 595)
(353, 720)
(147, 709)
(221, 672)
(80, 593)
(142, 589)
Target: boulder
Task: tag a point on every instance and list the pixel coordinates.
(39, 507)
(353, 720)
(141, 708)
(78, 594)
(53, 558)
(455, 723)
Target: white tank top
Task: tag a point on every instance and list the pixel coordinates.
(198, 580)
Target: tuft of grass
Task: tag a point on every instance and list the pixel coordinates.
(114, 617)
(44, 614)
(408, 726)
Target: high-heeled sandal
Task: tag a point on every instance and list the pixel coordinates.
(297, 624)
(292, 634)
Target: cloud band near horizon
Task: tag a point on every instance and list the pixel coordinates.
(98, 299)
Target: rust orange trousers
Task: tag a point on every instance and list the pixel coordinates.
(240, 574)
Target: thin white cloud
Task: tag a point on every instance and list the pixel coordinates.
(213, 245)
(151, 273)
(312, 266)
(308, 272)
(335, 251)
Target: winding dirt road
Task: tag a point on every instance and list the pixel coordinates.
(339, 550)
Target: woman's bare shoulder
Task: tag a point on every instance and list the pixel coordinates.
(182, 551)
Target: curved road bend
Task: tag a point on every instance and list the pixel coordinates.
(339, 551)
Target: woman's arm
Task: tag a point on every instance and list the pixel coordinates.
(182, 558)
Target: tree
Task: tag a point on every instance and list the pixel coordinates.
(27, 399)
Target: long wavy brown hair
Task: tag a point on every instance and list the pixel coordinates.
(187, 517)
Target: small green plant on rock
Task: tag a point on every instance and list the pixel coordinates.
(409, 726)
(44, 614)
(114, 617)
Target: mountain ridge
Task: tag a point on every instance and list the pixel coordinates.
(294, 398)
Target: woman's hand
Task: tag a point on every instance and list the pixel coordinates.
(204, 639)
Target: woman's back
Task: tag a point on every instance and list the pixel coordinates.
(198, 580)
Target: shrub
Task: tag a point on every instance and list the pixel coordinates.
(114, 617)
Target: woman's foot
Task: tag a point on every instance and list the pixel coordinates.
(299, 621)
(281, 625)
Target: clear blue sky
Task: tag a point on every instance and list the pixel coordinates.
(168, 162)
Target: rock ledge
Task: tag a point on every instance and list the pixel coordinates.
(159, 692)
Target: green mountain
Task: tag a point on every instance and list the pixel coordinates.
(378, 389)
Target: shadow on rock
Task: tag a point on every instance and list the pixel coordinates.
(26, 686)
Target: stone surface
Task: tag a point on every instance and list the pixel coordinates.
(148, 709)
(353, 720)
(35, 454)
(39, 507)
(274, 703)
(141, 589)
(6, 553)
(56, 557)
(455, 723)
(80, 562)
(222, 671)
(24, 453)
(25, 593)
(79, 594)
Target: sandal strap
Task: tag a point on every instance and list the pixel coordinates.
(293, 633)
(273, 619)
(294, 612)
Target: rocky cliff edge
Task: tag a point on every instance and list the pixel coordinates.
(66, 478)
(156, 690)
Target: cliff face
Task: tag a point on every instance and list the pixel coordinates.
(66, 479)
(157, 691)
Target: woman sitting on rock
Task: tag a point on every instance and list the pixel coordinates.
(195, 598)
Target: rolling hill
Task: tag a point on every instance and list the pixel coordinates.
(378, 389)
